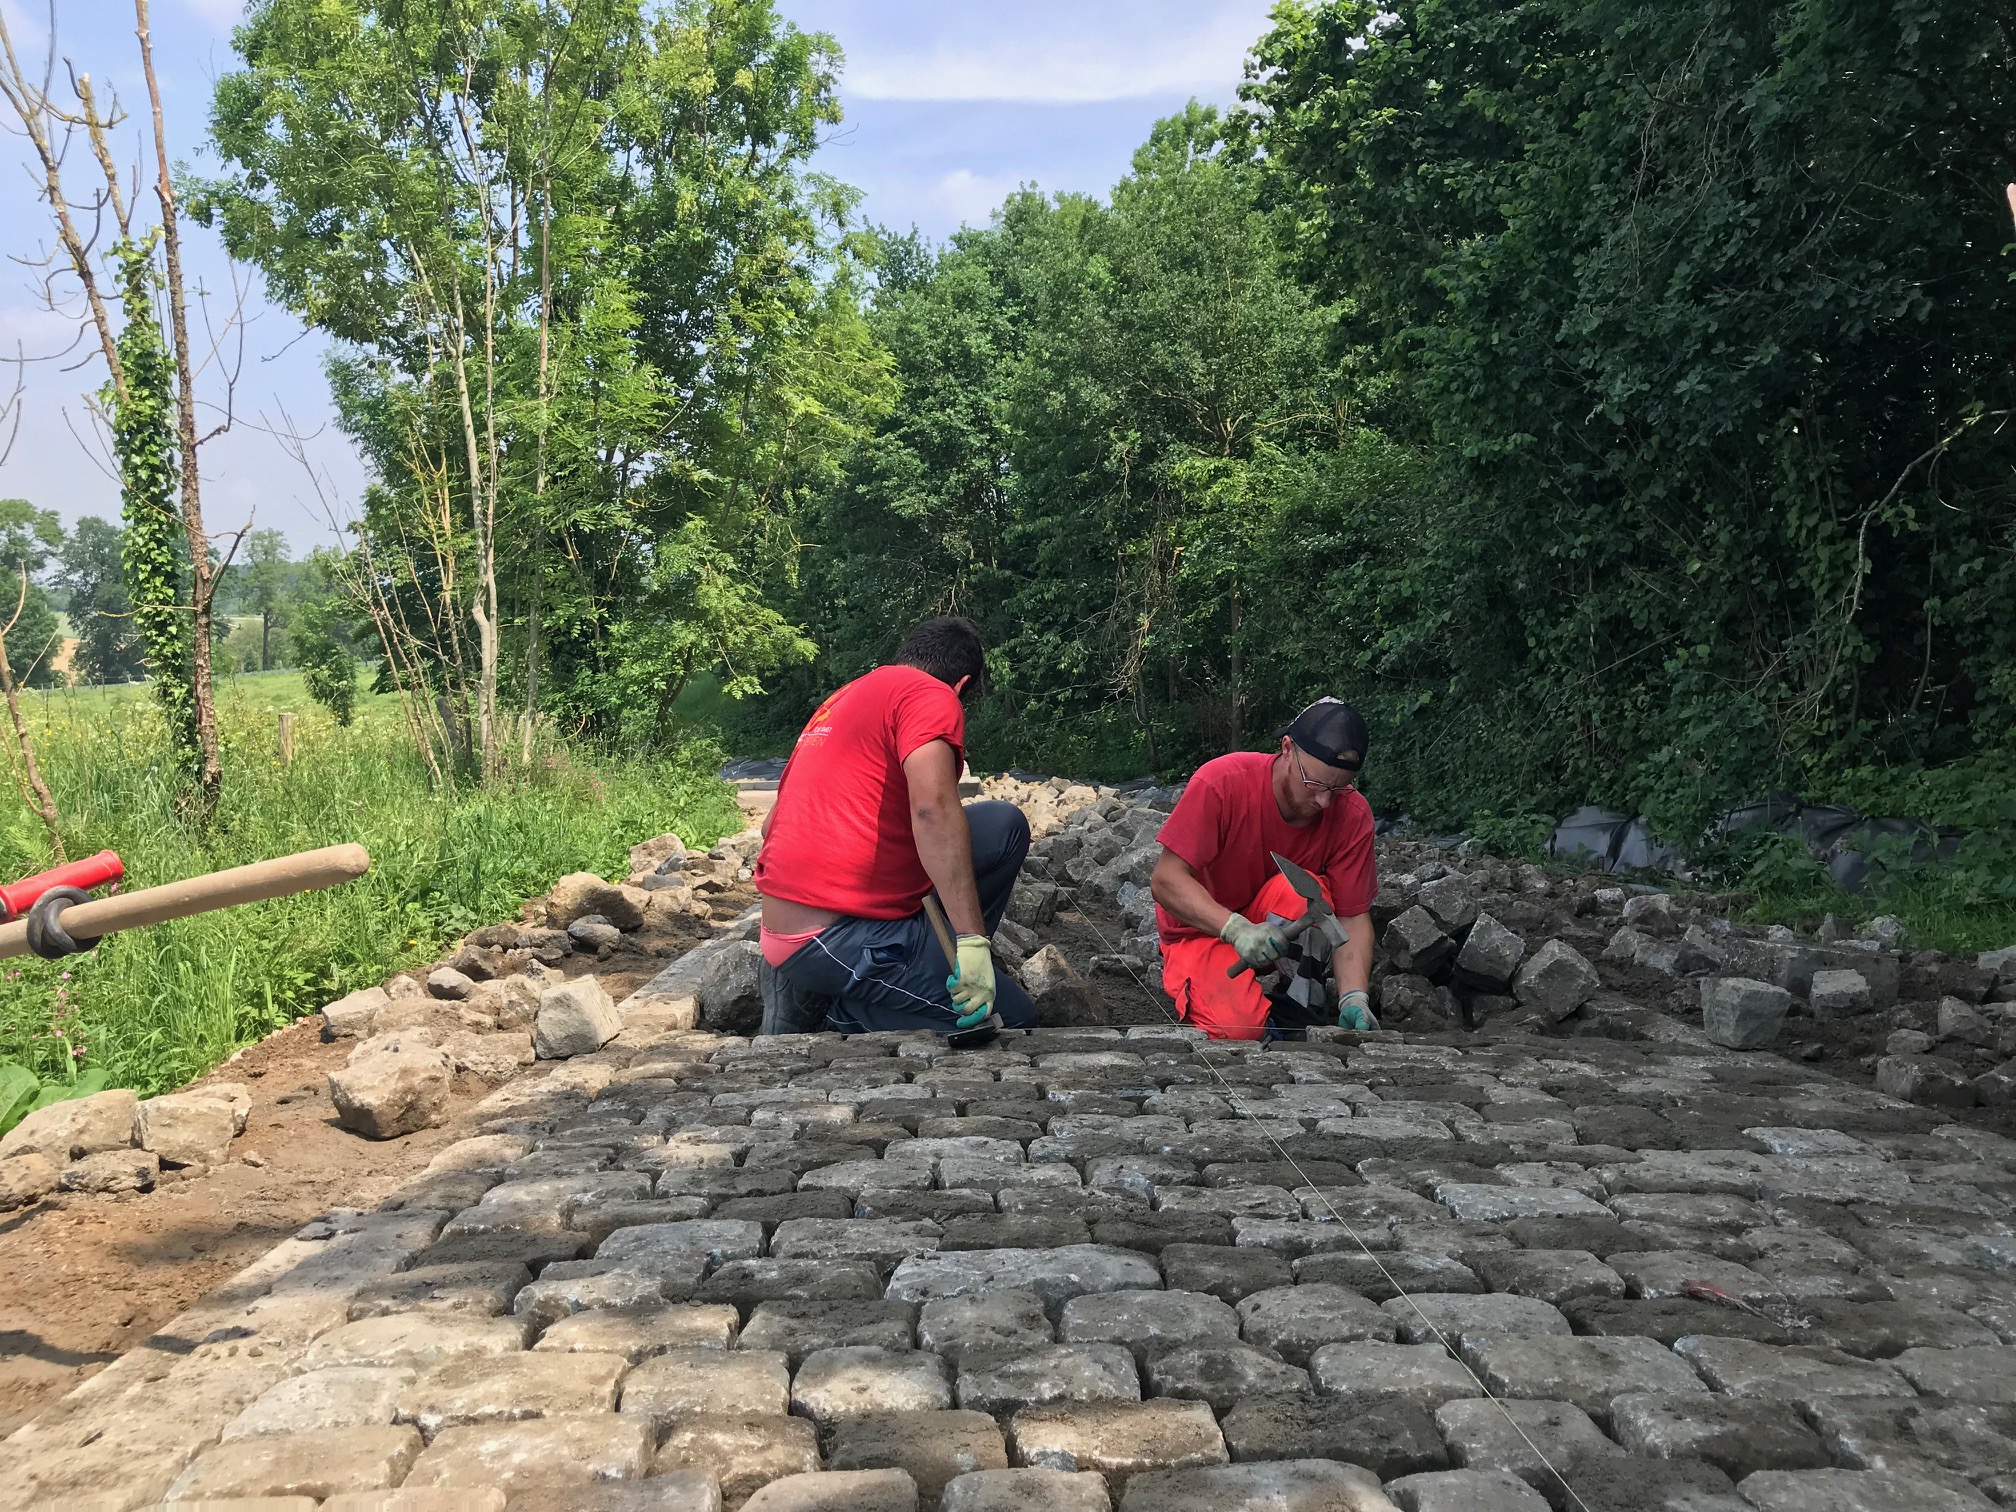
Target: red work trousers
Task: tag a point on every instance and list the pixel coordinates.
(1193, 971)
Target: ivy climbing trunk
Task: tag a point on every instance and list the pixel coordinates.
(143, 436)
(202, 583)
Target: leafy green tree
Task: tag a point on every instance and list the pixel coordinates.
(266, 583)
(100, 612)
(322, 640)
(1704, 310)
(29, 537)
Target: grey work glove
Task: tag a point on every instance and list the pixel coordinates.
(1258, 944)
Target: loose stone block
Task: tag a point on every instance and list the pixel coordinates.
(1490, 955)
(799, 1328)
(1390, 1438)
(1054, 1275)
(1556, 980)
(1480, 1438)
(1148, 1322)
(1424, 1374)
(1553, 1276)
(74, 1129)
(1222, 1374)
(1004, 1381)
(744, 1450)
(1925, 1079)
(1742, 1013)
(576, 1017)
(1415, 943)
(323, 1462)
(1738, 1436)
(351, 1016)
(392, 1086)
(1456, 1314)
(638, 1333)
(186, 1128)
(1008, 1320)
(1296, 1321)
(1586, 1372)
(838, 1491)
(1287, 1486)
(506, 1388)
(1840, 994)
(344, 1396)
(417, 1341)
(1855, 1491)
(1027, 1491)
(685, 1383)
(543, 1453)
(847, 1382)
(1118, 1439)
(933, 1448)
(1787, 1372)
(1465, 1491)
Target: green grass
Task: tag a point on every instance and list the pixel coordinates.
(160, 1005)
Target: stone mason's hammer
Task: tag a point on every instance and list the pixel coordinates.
(1316, 911)
(989, 1027)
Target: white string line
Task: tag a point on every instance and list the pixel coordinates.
(1238, 1104)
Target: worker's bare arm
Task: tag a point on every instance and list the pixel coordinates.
(1176, 888)
(1351, 962)
(944, 842)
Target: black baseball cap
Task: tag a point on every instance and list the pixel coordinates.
(1331, 731)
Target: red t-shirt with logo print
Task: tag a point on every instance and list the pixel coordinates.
(840, 836)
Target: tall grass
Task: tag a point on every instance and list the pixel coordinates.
(160, 1005)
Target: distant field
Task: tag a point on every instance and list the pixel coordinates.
(246, 695)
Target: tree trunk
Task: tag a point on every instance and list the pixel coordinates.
(202, 581)
(265, 640)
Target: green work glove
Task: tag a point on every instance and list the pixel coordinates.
(1258, 944)
(972, 981)
(1354, 1011)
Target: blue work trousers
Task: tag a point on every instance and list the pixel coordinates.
(861, 976)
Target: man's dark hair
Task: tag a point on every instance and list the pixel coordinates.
(948, 648)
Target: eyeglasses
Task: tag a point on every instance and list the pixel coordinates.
(1332, 788)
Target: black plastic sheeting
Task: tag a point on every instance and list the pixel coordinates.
(1835, 835)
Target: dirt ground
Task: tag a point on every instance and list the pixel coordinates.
(91, 1276)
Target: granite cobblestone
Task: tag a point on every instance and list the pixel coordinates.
(1071, 1268)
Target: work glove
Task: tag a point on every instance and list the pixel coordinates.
(972, 980)
(1354, 1011)
(1258, 944)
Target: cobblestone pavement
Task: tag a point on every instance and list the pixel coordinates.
(1075, 1270)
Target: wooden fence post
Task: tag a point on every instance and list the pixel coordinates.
(286, 740)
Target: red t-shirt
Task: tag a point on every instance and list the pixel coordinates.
(840, 833)
(1226, 823)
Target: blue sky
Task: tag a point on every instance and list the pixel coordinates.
(950, 105)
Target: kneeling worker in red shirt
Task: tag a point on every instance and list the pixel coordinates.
(1219, 898)
(867, 822)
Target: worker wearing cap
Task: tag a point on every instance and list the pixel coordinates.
(867, 823)
(1219, 899)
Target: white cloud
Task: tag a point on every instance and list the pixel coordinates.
(1057, 55)
(969, 198)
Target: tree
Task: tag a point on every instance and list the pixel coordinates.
(266, 583)
(1703, 310)
(322, 640)
(100, 611)
(587, 294)
(29, 537)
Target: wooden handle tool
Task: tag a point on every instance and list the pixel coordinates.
(281, 877)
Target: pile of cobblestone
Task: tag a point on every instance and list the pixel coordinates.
(1095, 1268)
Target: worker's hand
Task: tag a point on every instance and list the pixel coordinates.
(1354, 1011)
(972, 983)
(1258, 944)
